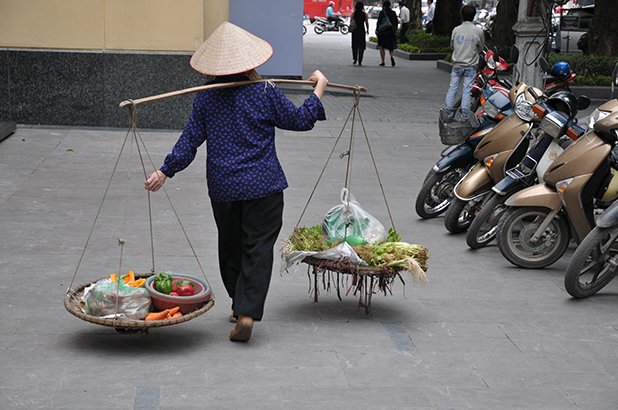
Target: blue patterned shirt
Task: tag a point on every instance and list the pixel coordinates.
(238, 125)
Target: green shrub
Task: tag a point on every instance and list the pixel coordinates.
(429, 43)
(594, 80)
(409, 48)
(591, 67)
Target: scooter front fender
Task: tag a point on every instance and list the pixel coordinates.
(609, 217)
(460, 154)
(536, 195)
(475, 182)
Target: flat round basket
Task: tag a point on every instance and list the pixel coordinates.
(351, 268)
(72, 303)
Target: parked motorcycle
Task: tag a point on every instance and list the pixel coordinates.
(558, 77)
(464, 209)
(490, 64)
(322, 24)
(436, 193)
(546, 145)
(540, 221)
(501, 149)
(594, 262)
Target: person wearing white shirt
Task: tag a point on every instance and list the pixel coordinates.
(431, 8)
(404, 17)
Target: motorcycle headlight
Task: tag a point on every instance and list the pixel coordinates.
(596, 116)
(523, 108)
(552, 125)
(490, 109)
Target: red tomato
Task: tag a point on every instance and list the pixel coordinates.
(185, 290)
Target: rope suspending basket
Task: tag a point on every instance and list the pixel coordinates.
(75, 296)
(351, 259)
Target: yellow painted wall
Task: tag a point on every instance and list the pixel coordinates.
(65, 24)
(139, 25)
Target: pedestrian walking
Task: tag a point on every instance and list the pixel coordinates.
(467, 42)
(386, 28)
(404, 17)
(431, 9)
(244, 176)
(359, 24)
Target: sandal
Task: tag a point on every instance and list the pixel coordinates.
(242, 330)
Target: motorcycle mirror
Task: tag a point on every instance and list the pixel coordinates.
(583, 102)
(544, 64)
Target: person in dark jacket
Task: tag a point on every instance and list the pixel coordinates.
(361, 24)
(387, 37)
(244, 176)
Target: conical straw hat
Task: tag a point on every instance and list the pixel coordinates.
(230, 50)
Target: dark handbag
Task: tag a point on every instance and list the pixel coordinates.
(352, 25)
(385, 25)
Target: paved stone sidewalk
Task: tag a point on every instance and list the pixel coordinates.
(480, 335)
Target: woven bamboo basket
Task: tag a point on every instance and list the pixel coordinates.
(72, 303)
(352, 268)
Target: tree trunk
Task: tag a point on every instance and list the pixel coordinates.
(603, 35)
(416, 15)
(502, 34)
(447, 16)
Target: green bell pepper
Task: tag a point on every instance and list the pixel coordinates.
(163, 283)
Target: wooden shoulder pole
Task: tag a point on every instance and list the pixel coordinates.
(177, 93)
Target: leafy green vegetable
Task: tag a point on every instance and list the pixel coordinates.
(307, 239)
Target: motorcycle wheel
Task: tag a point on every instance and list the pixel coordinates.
(344, 29)
(318, 29)
(436, 193)
(593, 264)
(484, 227)
(517, 226)
(459, 215)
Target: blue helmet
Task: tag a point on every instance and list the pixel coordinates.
(560, 69)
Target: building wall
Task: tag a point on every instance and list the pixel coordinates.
(286, 36)
(71, 62)
(141, 25)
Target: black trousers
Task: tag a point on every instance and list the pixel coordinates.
(403, 38)
(247, 232)
(357, 54)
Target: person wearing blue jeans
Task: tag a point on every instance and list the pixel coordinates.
(459, 75)
(467, 42)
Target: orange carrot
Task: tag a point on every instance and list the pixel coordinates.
(158, 315)
(177, 314)
(174, 310)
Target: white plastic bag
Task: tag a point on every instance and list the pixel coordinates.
(349, 219)
(100, 298)
(341, 253)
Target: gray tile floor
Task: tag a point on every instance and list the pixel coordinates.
(480, 334)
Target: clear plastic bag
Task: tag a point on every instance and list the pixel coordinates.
(100, 298)
(350, 219)
(342, 252)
